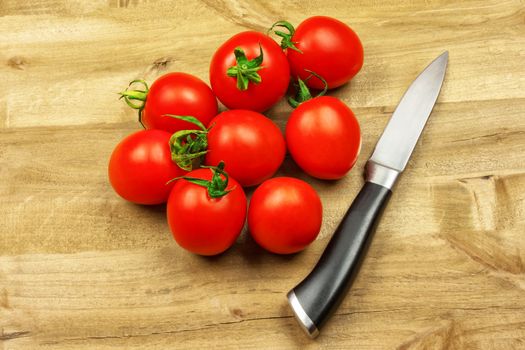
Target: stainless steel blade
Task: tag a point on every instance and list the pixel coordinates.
(406, 124)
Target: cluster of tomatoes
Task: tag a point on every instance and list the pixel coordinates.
(240, 147)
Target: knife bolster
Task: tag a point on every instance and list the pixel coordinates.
(380, 174)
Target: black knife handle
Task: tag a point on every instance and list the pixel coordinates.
(320, 293)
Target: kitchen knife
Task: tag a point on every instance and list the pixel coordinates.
(320, 293)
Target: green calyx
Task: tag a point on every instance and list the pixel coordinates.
(216, 187)
(188, 145)
(286, 38)
(136, 95)
(246, 70)
(303, 93)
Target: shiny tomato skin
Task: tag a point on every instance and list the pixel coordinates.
(323, 137)
(140, 166)
(179, 94)
(329, 48)
(251, 145)
(285, 215)
(275, 74)
(204, 225)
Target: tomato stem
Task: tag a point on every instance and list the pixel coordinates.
(217, 186)
(286, 41)
(136, 95)
(303, 93)
(188, 145)
(246, 70)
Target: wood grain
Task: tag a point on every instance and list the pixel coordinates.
(82, 269)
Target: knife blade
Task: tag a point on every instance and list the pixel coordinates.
(320, 293)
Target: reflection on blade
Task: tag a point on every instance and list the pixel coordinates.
(406, 124)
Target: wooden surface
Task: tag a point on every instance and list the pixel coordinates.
(82, 269)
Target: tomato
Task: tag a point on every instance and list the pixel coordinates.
(173, 93)
(327, 47)
(141, 165)
(285, 215)
(239, 78)
(323, 137)
(250, 144)
(204, 219)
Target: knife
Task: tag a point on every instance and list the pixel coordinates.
(320, 293)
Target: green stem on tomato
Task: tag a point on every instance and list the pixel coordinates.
(136, 95)
(246, 70)
(303, 93)
(188, 145)
(286, 38)
(216, 187)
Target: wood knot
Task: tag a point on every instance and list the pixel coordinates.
(162, 63)
(4, 299)
(158, 67)
(13, 335)
(17, 62)
(237, 313)
(386, 110)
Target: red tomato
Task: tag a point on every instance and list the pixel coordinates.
(323, 137)
(285, 215)
(179, 94)
(250, 144)
(329, 48)
(141, 165)
(202, 224)
(265, 83)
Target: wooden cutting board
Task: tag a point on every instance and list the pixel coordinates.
(81, 268)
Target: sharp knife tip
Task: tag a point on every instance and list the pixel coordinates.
(441, 60)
